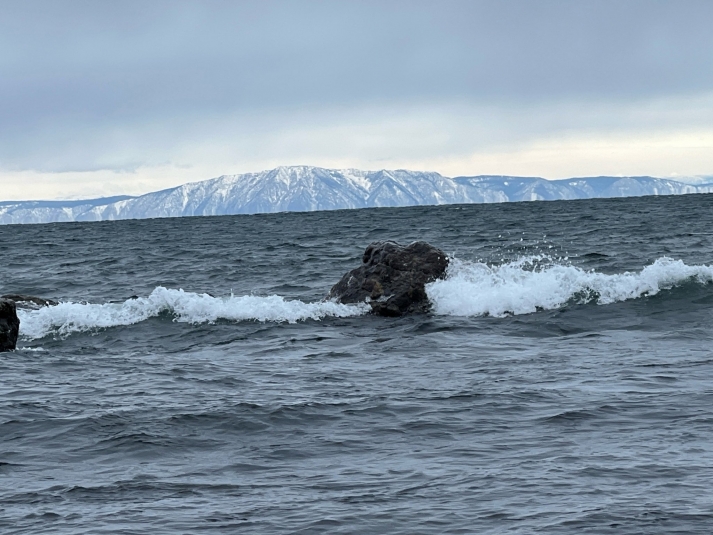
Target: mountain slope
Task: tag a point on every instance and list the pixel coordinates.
(304, 188)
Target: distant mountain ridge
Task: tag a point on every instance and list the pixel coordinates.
(305, 188)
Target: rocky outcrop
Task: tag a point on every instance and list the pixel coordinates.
(392, 278)
(9, 325)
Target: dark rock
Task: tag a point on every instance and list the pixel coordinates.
(392, 278)
(29, 301)
(9, 325)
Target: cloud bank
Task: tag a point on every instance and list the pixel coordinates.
(104, 98)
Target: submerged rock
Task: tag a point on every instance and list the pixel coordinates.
(392, 278)
(9, 325)
(30, 301)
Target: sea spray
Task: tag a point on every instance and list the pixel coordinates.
(523, 286)
(70, 317)
(531, 283)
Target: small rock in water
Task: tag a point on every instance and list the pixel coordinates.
(392, 278)
(9, 325)
(30, 301)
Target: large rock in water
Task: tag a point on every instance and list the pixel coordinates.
(9, 325)
(392, 278)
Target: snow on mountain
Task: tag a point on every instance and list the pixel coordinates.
(304, 188)
(53, 211)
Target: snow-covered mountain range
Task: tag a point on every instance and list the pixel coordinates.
(305, 188)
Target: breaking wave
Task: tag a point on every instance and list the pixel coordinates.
(69, 317)
(530, 284)
(523, 286)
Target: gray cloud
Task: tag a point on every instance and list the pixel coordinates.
(85, 77)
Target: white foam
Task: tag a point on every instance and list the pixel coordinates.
(69, 317)
(521, 287)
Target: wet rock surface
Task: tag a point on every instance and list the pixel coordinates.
(30, 301)
(392, 278)
(9, 325)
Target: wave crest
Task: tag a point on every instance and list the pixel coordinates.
(525, 286)
(69, 317)
(470, 289)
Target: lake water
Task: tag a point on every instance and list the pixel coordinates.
(192, 379)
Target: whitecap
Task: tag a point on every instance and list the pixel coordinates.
(526, 285)
(71, 317)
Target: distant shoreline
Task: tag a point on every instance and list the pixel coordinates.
(306, 189)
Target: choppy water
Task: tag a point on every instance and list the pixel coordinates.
(563, 383)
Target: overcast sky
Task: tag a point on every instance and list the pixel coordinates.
(103, 97)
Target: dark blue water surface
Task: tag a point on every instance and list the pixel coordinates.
(180, 412)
